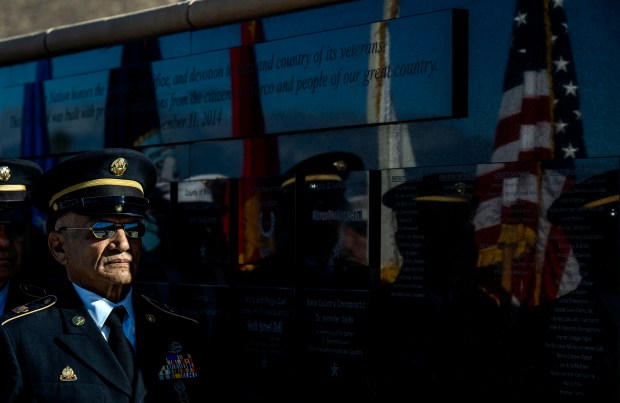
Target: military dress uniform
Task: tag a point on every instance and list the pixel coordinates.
(52, 350)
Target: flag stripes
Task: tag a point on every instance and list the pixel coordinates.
(538, 136)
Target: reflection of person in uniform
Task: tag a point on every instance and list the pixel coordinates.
(155, 242)
(309, 226)
(190, 228)
(440, 335)
(199, 223)
(16, 176)
(61, 348)
(567, 350)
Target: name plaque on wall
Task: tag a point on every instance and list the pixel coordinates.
(335, 354)
(265, 342)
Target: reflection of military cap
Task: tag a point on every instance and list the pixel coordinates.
(327, 167)
(16, 177)
(449, 189)
(324, 176)
(112, 181)
(594, 200)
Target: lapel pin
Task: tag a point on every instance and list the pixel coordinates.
(78, 320)
(67, 375)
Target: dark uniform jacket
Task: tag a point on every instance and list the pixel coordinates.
(51, 350)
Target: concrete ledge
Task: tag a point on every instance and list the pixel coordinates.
(157, 21)
(205, 14)
(23, 48)
(104, 32)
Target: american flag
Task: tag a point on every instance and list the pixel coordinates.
(538, 136)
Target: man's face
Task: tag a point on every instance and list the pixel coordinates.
(11, 247)
(98, 265)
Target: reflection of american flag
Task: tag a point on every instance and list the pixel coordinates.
(260, 151)
(539, 125)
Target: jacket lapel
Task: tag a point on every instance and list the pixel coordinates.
(84, 340)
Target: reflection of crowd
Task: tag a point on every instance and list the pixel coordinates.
(437, 326)
(437, 330)
(443, 336)
(440, 334)
(567, 349)
(320, 238)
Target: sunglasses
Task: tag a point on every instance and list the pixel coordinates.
(106, 229)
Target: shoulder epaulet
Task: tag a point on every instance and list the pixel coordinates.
(32, 290)
(35, 306)
(165, 308)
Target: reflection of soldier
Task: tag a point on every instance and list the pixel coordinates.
(156, 241)
(188, 231)
(200, 229)
(16, 176)
(567, 350)
(309, 226)
(440, 334)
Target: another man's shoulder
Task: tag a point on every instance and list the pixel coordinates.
(31, 308)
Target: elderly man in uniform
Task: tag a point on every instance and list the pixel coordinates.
(16, 176)
(97, 341)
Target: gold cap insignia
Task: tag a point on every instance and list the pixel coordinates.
(67, 375)
(150, 318)
(118, 166)
(340, 165)
(460, 188)
(5, 173)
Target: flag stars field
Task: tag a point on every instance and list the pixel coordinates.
(560, 65)
(571, 89)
